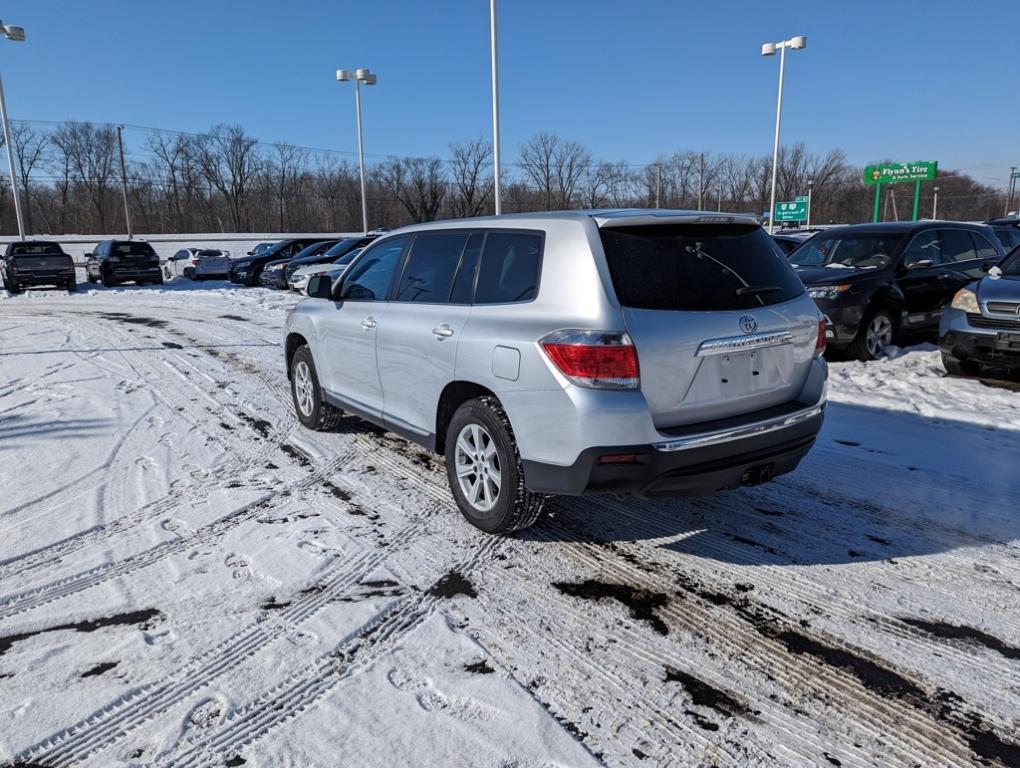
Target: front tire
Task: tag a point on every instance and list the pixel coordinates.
(484, 469)
(311, 409)
(876, 334)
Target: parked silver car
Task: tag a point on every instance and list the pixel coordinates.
(198, 264)
(644, 352)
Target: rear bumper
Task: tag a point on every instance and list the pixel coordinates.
(694, 464)
(49, 277)
(128, 272)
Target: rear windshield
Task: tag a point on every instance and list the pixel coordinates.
(133, 249)
(209, 254)
(697, 267)
(36, 249)
(848, 251)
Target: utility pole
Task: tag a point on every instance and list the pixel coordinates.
(1010, 187)
(497, 192)
(935, 204)
(10, 162)
(810, 185)
(123, 178)
(720, 200)
(701, 183)
(658, 185)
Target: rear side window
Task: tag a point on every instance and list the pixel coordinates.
(985, 250)
(957, 246)
(430, 267)
(509, 269)
(697, 267)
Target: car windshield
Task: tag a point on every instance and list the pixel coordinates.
(847, 251)
(348, 257)
(1011, 265)
(343, 246)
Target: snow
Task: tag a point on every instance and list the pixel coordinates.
(188, 577)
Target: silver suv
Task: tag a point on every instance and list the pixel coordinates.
(644, 352)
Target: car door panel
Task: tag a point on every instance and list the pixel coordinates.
(418, 338)
(922, 287)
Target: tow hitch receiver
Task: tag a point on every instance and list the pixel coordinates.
(757, 475)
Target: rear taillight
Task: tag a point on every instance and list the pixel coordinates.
(194, 262)
(12, 263)
(820, 341)
(595, 359)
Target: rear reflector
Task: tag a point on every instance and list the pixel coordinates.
(820, 341)
(618, 458)
(595, 359)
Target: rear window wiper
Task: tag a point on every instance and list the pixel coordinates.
(756, 290)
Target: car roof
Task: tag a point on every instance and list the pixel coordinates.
(1004, 222)
(901, 227)
(603, 217)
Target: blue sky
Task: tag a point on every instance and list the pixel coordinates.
(882, 80)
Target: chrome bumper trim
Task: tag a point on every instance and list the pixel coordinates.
(743, 343)
(736, 433)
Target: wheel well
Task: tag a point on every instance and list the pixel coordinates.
(454, 395)
(294, 342)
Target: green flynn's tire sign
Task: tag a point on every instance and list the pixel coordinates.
(893, 173)
(896, 173)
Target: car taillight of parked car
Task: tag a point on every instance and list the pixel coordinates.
(820, 341)
(594, 359)
(194, 262)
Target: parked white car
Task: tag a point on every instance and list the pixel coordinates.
(198, 264)
(299, 280)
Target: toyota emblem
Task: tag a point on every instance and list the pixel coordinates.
(748, 324)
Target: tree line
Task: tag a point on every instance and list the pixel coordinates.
(225, 180)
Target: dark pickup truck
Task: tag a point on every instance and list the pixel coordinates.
(116, 261)
(36, 262)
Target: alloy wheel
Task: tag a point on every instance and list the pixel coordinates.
(879, 335)
(478, 467)
(303, 388)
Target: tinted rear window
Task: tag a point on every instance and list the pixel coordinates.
(132, 249)
(697, 267)
(209, 254)
(36, 249)
(428, 273)
(509, 268)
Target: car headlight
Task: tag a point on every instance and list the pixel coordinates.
(828, 291)
(276, 268)
(966, 300)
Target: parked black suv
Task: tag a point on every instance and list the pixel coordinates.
(118, 261)
(248, 269)
(330, 255)
(274, 273)
(36, 262)
(875, 281)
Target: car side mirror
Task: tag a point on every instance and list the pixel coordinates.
(920, 264)
(320, 287)
(88, 254)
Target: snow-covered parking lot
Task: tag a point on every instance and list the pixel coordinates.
(187, 577)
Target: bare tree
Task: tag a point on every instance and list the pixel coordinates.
(230, 162)
(89, 154)
(31, 148)
(472, 187)
(417, 183)
(555, 166)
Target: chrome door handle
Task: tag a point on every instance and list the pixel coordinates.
(442, 332)
(368, 323)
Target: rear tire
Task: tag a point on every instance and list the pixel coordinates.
(13, 287)
(189, 273)
(484, 469)
(311, 409)
(877, 332)
(71, 286)
(955, 367)
(108, 279)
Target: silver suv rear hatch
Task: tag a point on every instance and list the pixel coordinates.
(721, 322)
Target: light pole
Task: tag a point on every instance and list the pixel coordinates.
(497, 193)
(935, 205)
(367, 77)
(769, 49)
(810, 184)
(17, 34)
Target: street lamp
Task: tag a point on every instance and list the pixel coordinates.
(810, 185)
(497, 194)
(17, 34)
(935, 205)
(769, 49)
(367, 77)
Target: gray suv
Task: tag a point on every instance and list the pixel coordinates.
(642, 352)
